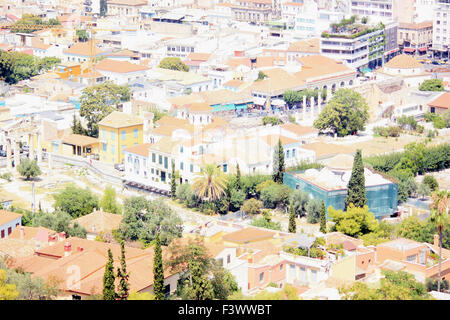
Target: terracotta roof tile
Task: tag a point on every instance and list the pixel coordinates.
(8, 216)
(118, 119)
(100, 221)
(117, 66)
(443, 101)
(403, 61)
(82, 49)
(248, 235)
(140, 149)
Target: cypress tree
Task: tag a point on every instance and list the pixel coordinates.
(123, 276)
(356, 188)
(158, 271)
(173, 182)
(323, 219)
(278, 163)
(109, 288)
(238, 177)
(292, 223)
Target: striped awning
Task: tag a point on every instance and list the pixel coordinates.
(423, 49)
(409, 49)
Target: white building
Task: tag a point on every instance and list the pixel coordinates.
(441, 28)
(8, 222)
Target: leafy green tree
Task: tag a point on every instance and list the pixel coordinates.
(29, 168)
(99, 101)
(355, 222)
(423, 190)
(238, 183)
(209, 184)
(7, 291)
(123, 275)
(173, 63)
(109, 201)
(439, 215)
(323, 219)
(251, 181)
(291, 97)
(173, 182)
(223, 282)
(266, 222)
(75, 201)
(411, 186)
(292, 223)
(58, 221)
(143, 218)
(346, 113)
(29, 23)
(394, 286)
(194, 284)
(299, 199)
(356, 188)
(432, 284)
(77, 127)
(313, 208)
(186, 195)
(109, 288)
(158, 271)
(237, 198)
(252, 206)
(278, 163)
(261, 76)
(432, 85)
(271, 120)
(431, 182)
(82, 35)
(275, 195)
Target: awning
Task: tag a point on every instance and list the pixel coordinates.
(423, 49)
(365, 70)
(259, 101)
(278, 102)
(409, 49)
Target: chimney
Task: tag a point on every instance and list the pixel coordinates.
(436, 240)
(67, 249)
(62, 236)
(51, 239)
(250, 258)
(22, 232)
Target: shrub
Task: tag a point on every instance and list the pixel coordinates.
(237, 198)
(271, 120)
(7, 176)
(252, 206)
(431, 182)
(313, 210)
(275, 195)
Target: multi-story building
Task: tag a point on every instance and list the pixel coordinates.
(375, 10)
(441, 29)
(415, 37)
(359, 48)
(253, 11)
(413, 11)
(116, 132)
(128, 8)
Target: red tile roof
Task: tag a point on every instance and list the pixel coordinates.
(443, 101)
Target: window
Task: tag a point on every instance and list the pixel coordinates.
(225, 168)
(281, 267)
(160, 159)
(113, 149)
(261, 277)
(166, 162)
(293, 153)
(192, 168)
(302, 274)
(181, 166)
(104, 146)
(113, 135)
(124, 135)
(104, 133)
(135, 132)
(9, 230)
(287, 154)
(228, 259)
(412, 258)
(314, 276)
(153, 157)
(3, 234)
(181, 149)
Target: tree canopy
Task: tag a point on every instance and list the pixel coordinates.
(356, 188)
(143, 218)
(99, 101)
(17, 66)
(432, 85)
(354, 222)
(29, 23)
(75, 201)
(173, 63)
(346, 113)
(28, 168)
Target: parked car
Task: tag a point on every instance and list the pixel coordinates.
(2, 153)
(119, 166)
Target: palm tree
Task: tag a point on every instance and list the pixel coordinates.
(210, 183)
(439, 214)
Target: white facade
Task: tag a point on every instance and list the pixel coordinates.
(8, 227)
(304, 270)
(376, 10)
(441, 26)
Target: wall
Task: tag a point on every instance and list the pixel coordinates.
(11, 224)
(117, 141)
(344, 269)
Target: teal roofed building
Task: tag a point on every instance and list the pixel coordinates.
(330, 185)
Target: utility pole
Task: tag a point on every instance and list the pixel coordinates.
(33, 205)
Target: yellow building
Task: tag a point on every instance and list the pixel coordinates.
(116, 132)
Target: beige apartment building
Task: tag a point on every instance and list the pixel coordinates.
(416, 38)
